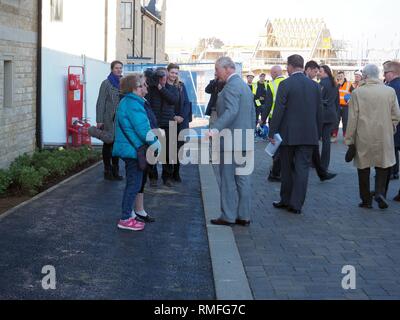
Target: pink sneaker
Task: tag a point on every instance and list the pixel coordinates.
(131, 224)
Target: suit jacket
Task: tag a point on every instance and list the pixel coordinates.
(298, 112)
(330, 100)
(235, 109)
(395, 84)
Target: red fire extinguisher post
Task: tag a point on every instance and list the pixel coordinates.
(77, 127)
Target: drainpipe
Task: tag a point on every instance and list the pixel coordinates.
(141, 50)
(39, 142)
(155, 43)
(134, 29)
(106, 31)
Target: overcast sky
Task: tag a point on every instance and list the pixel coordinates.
(240, 22)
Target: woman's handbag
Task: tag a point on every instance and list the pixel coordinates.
(351, 153)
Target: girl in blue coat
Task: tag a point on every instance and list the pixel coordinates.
(132, 131)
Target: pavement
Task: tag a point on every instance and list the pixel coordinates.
(182, 256)
(301, 257)
(73, 228)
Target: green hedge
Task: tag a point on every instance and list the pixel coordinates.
(27, 174)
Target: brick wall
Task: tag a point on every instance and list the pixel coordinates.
(18, 43)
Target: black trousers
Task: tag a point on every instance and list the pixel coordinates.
(296, 161)
(168, 167)
(382, 179)
(316, 161)
(109, 161)
(177, 166)
(261, 111)
(276, 165)
(326, 145)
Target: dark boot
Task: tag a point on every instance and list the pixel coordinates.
(108, 175)
(115, 173)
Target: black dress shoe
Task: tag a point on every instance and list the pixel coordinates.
(153, 183)
(272, 178)
(382, 203)
(168, 183)
(294, 211)
(243, 223)
(116, 176)
(365, 205)
(108, 176)
(328, 176)
(221, 222)
(177, 179)
(394, 176)
(280, 205)
(397, 198)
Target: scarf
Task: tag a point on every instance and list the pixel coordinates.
(114, 80)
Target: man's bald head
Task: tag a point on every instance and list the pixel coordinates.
(276, 71)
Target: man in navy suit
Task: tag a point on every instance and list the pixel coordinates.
(298, 119)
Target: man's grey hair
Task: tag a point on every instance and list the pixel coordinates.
(371, 71)
(226, 62)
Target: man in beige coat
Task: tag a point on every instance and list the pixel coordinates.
(373, 116)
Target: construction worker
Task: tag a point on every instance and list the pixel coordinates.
(345, 89)
(273, 86)
(260, 95)
(250, 79)
(357, 79)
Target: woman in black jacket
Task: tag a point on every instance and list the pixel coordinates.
(163, 97)
(330, 99)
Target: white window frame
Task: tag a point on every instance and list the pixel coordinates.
(126, 15)
(56, 10)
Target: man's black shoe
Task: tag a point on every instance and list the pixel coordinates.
(397, 198)
(294, 211)
(221, 222)
(272, 178)
(382, 203)
(328, 176)
(177, 179)
(280, 205)
(108, 176)
(394, 176)
(115, 173)
(243, 223)
(153, 183)
(168, 183)
(364, 205)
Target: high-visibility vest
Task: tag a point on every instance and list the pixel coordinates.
(274, 86)
(344, 90)
(255, 88)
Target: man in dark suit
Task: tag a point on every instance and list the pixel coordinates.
(298, 119)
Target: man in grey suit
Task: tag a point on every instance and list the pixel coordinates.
(298, 119)
(236, 114)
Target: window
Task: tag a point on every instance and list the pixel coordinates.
(126, 15)
(56, 7)
(8, 84)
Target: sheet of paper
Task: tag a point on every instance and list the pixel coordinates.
(272, 148)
